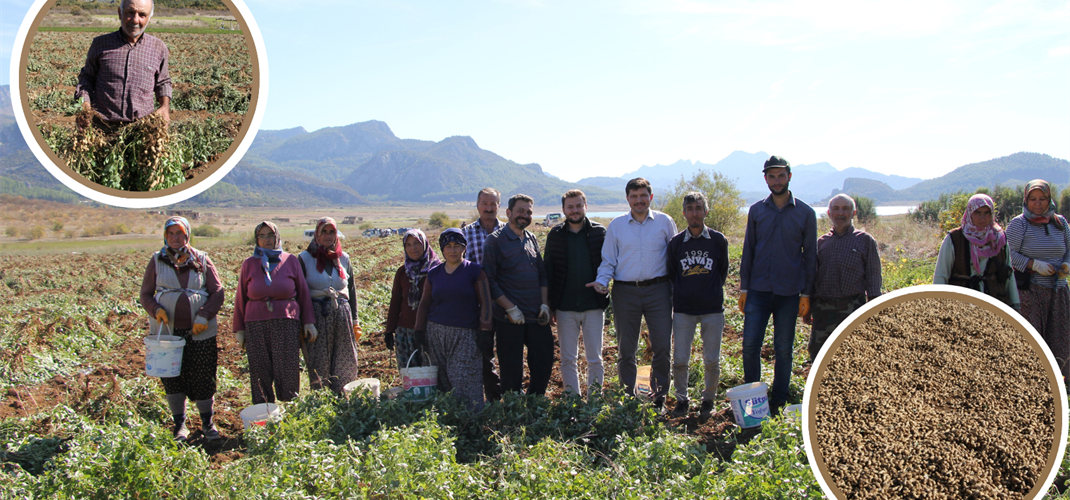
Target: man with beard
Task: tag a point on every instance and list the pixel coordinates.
(518, 285)
(573, 254)
(125, 72)
(698, 264)
(634, 256)
(487, 202)
(776, 276)
(848, 271)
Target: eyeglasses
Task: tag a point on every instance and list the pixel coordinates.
(265, 236)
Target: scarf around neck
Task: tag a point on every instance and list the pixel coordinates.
(186, 255)
(1049, 214)
(984, 241)
(416, 270)
(327, 256)
(269, 257)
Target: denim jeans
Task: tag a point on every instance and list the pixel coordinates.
(756, 311)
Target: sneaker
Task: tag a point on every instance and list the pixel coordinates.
(707, 409)
(181, 433)
(212, 433)
(680, 410)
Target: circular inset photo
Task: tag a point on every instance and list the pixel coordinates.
(935, 392)
(135, 104)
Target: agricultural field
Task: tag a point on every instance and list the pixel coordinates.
(78, 417)
(212, 77)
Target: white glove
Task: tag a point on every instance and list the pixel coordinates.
(239, 337)
(515, 316)
(1043, 268)
(310, 333)
(544, 315)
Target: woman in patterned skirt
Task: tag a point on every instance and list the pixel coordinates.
(399, 333)
(181, 289)
(454, 319)
(270, 306)
(1039, 242)
(332, 359)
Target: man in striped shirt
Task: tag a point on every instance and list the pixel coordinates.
(125, 72)
(487, 203)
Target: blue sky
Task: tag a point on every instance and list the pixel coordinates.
(913, 88)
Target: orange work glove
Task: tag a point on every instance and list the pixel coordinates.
(804, 306)
(199, 328)
(357, 332)
(742, 301)
(161, 316)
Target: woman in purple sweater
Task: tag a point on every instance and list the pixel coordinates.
(453, 320)
(270, 306)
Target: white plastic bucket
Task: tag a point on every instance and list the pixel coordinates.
(163, 356)
(260, 414)
(642, 381)
(419, 383)
(371, 385)
(750, 403)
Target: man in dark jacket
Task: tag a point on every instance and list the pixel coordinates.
(573, 254)
(698, 265)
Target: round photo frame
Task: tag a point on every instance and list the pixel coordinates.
(215, 172)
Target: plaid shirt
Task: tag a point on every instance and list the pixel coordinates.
(120, 80)
(477, 239)
(847, 265)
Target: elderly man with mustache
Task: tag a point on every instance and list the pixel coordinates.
(519, 288)
(848, 273)
(487, 203)
(125, 72)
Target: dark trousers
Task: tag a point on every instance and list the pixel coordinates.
(511, 341)
(492, 385)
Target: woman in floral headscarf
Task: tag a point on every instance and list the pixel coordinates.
(332, 359)
(1040, 251)
(975, 256)
(405, 296)
(181, 289)
(270, 306)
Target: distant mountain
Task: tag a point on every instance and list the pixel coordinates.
(1012, 170)
(809, 182)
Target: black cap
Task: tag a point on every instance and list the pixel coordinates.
(776, 162)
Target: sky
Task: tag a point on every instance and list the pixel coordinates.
(911, 87)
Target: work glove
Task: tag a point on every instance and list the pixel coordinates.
(485, 341)
(419, 337)
(1064, 270)
(388, 337)
(161, 316)
(742, 301)
(310, 333)
(199, 328)
(357, 333)
(515, 316)
(804, 306)
(239, 337)
(544, 315)
(1043, 268)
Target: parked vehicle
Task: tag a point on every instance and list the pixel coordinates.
(552, 219)
(309, 233)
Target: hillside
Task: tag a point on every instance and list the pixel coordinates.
(1012, 170)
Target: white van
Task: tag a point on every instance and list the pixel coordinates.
(309, 233)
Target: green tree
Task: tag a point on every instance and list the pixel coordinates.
(1008, 202)
(439, 219)
(867, 210)
(57, 227)
(1064, 203)
(37, 232)
(207, 231)
(951, 216)
(721, 194)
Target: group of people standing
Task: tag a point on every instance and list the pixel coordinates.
(284, 305)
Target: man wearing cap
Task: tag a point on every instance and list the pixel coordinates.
(125, 72)
(635, 256)
(518, 286)
(487, 203)
(848, 272)
(776, 276)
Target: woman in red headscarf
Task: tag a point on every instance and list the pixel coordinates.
(181, 289)
(1040, 251)
(331, 360)
(974, 255)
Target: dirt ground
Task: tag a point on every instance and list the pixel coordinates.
(935, 398)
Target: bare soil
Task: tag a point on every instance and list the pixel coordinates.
(935, 398)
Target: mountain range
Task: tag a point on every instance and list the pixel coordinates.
(366, 163)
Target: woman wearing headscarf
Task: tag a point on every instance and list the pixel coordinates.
(270, 307)
(332, 359)
(1039, 244)
(405, 296)
(181, 289)
(454, 319)
(974, 255)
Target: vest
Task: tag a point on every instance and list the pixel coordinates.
(556, 250)
(995, 274)
(168, 290)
